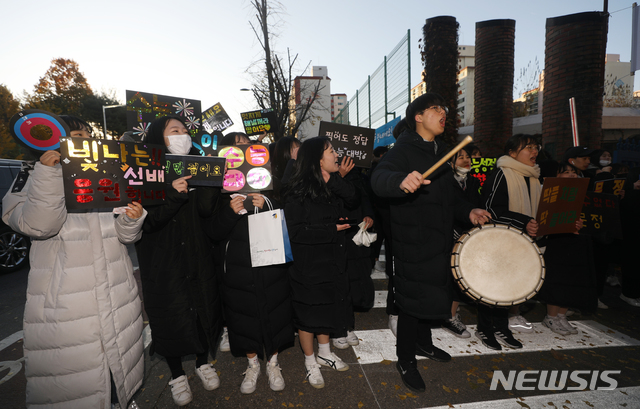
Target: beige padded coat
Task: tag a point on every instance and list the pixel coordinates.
(83, 316)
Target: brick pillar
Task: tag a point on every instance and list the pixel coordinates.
(440, 58)
(573, 67)
(493, 99)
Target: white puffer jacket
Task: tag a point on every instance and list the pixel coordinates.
(83, 316)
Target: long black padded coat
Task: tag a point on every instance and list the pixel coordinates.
(421, 225)
(178, 279)
(359, 261)
(319, 281)
(256, 300)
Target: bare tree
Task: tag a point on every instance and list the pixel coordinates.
(273, 82)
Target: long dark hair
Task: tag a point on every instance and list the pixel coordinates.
(155, 134)
(307, 180)
(418, 105)
(282, 155)
(232, 137)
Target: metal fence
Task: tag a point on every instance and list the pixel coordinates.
(385, 94)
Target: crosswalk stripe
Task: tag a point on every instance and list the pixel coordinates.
(628, 397)
(380, 345)
(17, 336)
(380, 300)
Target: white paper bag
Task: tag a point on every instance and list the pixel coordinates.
(269, 238)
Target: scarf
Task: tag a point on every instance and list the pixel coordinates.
(520, 200)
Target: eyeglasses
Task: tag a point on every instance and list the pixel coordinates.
(439, 109)
(533, 147)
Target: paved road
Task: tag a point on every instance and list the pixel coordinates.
(608, 341)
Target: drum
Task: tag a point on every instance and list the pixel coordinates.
(498, 265)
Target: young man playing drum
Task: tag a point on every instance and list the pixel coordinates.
(422, 230)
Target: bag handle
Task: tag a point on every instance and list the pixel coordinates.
(267, 201)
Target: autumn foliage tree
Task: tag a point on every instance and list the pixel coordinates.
(9, 149)
(61, 90)
(64, 90)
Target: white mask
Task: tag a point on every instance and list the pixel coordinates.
(179, 144)
(604, 163)
(462, 171)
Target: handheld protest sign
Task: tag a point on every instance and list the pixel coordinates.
(384, 134)
(352, 141)
(104, 174)
(204, 170)
(257, 122)
(481, 167)
(38, 130)
(215, 119)
(144, 107)
(560, 205)
(248, 168)
(601, 216)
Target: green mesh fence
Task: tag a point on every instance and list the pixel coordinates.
(385, 94)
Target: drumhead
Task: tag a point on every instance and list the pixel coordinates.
(498, 265)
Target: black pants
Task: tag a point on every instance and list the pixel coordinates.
(492, 319)
(175, 362)
(411, 331)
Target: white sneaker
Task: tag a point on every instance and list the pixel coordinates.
(631, 301)
(554, 324)
(314, 376)
(224, 342)
(250, 379)
(340, 343)
(352, 339)
(393, 324)
(613, 281)
(380, 266)
(274, 372)
(180, 390)
(602, 305)
(332, 361)
(567, 325)
(209, 377)
(520, 324)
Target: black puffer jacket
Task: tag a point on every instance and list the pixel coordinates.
(319, 282)
(178, 278)
(421, 225)
(256, 300)
(359, 262)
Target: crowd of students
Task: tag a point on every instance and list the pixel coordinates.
(83, 316)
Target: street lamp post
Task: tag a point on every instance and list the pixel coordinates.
(104, 117)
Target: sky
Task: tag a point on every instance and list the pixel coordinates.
(201, 49)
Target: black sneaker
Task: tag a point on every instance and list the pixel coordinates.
(410, 375)
(456, 327)
(488, 340)
(433, 352)
(506, 337)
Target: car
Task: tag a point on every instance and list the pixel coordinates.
(14, 247)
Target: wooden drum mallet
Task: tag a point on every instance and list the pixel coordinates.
(446, 157)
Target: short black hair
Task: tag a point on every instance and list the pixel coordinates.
(76, 124)
(518, 141)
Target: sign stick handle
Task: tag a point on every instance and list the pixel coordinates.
(446, 157)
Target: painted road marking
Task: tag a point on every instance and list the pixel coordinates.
(11, 339)
(379, 345)
(623, 397)
(380, 300)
